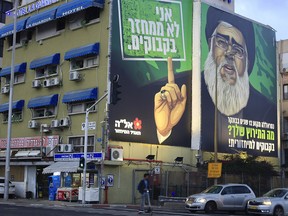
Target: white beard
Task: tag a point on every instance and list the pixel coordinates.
(231, 98)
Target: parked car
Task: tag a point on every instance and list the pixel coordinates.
(227, 197)
(274, 202)
(11, 187)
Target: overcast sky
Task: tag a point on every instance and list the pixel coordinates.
(269, 12)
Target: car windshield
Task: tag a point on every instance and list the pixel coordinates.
(213, 189)
(276, 193)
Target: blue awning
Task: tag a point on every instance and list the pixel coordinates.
(18, 105)
(8, 29)
(76, 6)
(47, 60)
(41, 18)
(20, 68)
(82, 95)
(43, 101)
(91, 49)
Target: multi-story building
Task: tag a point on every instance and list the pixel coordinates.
(67, 53)
(282, 51)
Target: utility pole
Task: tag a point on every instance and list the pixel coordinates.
(8, 147)
(85, 147)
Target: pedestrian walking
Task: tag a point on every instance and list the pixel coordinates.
(143, 188)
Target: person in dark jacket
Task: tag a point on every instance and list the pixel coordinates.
(143, 188)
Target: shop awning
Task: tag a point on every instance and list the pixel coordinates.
(20, 68)
(43, 101)
(65, 166)
(8, 29)
(41, 18)
(76, 6)
(80, 95)
(15, 105)
(91, 49)
(48, 60)
(34, 153)
(22, 154)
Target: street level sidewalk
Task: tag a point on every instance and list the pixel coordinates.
(44, 202)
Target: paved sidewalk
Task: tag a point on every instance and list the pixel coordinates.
(45, 202)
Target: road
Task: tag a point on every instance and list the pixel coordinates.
(42, 210)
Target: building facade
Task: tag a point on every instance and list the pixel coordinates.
(67, 54)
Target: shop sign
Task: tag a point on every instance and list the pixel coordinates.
(76, 156)
(30, 142)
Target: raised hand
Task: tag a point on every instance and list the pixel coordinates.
(169, 103)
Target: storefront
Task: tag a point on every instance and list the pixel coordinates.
(66, 182)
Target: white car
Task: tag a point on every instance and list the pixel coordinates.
(224, 197)
(274, 202)
(11, 187)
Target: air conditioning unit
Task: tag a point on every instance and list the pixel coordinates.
(74, 75)
(33, 124)
(54, 81)
(55, 123)
(49, 151)
(36, 83)
(64, 122)
(5, 90)
(65, 148)
(116, 154)
(45, 128)
(46, 83)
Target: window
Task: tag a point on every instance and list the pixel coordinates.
(43, 112)
(18, 78)
(49, 29)
(85, 17)
(22, 38)
(24, 2)
(82, 62)
(46, 71)
(16, 116)
(74, 108)
(285, 92)
(78, 143)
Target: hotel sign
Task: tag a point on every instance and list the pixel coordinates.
(34, 6)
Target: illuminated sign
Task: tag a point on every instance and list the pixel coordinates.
(33, 7)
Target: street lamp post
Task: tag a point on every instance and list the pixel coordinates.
(8, 147)
(85, 147)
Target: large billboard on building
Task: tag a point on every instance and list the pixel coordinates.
(243, 53)
(151, 52)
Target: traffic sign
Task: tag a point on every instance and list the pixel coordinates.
(214, 170)
(91, 126)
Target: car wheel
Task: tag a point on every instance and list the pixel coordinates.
(278, 211)
(210, 207)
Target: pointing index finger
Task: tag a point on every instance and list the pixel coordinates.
(170, 71)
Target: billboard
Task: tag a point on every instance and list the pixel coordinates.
(244, 87)
(151, 54)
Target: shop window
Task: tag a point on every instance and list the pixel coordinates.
(78, 143)
(46, 71)
(18, 78)
(74, 108)
(16, 116)
(82, 63)
(43, 112)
